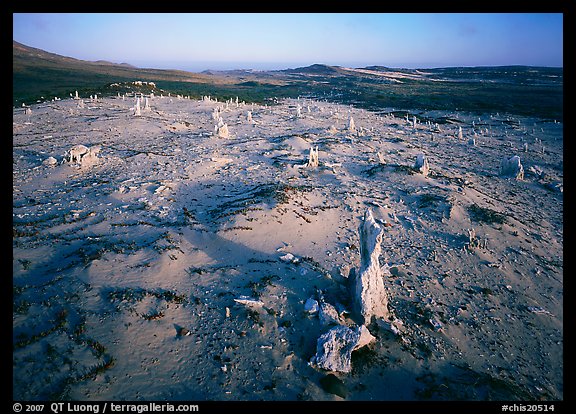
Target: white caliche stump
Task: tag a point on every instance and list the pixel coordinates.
(332, 130)
(334, 348)
(369, 295)
(76, 153)
(83, 155)
(511, 167)
(313, 158)
(137, 108)
(222, 129)
(351, 125)
(421, 164)
(91, 157)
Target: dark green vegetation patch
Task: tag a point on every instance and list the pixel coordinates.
(485, 215)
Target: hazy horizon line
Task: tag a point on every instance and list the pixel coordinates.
(198, 67)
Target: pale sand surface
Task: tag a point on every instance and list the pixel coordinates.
(172, 224)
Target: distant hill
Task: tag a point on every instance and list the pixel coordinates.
(26, 56)
(378, 68)
(37, 73)
(316, 69)
(105, 62)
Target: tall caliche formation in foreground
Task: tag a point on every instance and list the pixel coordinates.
(369, 295)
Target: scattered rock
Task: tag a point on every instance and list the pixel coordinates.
(332, 130)
(311, 306)
(555, 186)
(511, 167)
(538, 310)
(334, 348)
(435, 324)
(537, 171)
(76, 153)
(50, 162)
(83, 155)
(248, 301)
(421, 164)
(341, 309)
(365, 337)
(328, 314)
(181, 331)
(289, 258)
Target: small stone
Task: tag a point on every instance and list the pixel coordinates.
(435, 324)
(328, 314)
(289, 258)
(50, 162)
(248, 301)
(311, 305)
(365, 337)
(180, 331)
(538, 310)
(334, 348)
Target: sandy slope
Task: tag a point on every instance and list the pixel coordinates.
(172, 224)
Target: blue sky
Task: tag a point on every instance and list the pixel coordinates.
(201, 41)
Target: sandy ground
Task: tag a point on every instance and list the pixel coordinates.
(125, 271)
